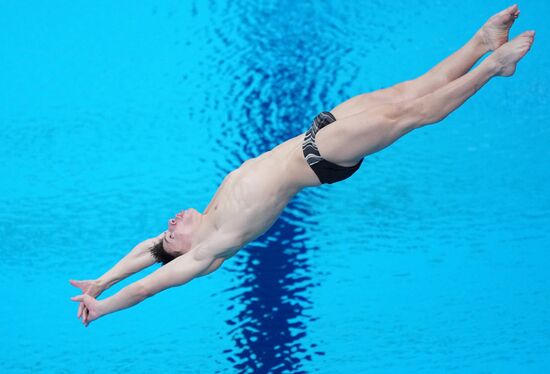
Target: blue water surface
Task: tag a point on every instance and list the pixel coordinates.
(432, 258)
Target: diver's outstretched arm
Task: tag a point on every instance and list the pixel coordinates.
(177, 272)
(137, 259)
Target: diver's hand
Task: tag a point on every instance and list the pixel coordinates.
(92, 308)
(90, 287)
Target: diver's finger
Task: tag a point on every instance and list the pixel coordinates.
(76, 283)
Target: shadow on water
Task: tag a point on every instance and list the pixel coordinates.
(274, 92)
(272, 317)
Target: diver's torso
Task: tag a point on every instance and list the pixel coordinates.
(252, 197)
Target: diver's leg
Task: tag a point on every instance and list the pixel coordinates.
(489, 37)
(349, 139)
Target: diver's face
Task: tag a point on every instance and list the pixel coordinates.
(177, 239)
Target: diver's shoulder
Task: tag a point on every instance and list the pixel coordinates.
(220, 243)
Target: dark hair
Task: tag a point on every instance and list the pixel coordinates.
(158, 252)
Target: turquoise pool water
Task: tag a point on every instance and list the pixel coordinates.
(432, 258)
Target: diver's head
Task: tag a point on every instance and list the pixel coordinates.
(178, 239)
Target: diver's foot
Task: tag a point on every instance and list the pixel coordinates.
(494, 32)
(507, 56)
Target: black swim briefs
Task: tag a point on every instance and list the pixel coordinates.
(326, 171)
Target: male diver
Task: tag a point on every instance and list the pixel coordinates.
(252, 197)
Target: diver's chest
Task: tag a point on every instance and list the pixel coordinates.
(254, 198)
(260, 183)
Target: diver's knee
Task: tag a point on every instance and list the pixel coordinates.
(405, 114)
